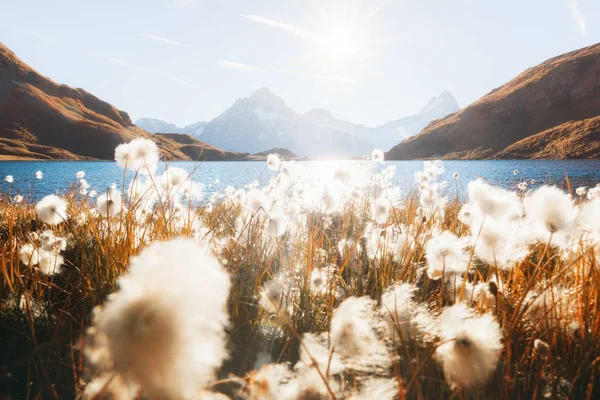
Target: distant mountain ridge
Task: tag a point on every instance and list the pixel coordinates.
(549, 111)
(263, 120)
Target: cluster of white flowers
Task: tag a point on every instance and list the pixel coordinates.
(162, 334)
(432, 201)
(140, 155)
(43, 251)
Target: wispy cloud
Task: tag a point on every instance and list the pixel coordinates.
(319, 39)
(241, 66)
(149, 71)
(163, 39)
(292, 29)
(577, 15)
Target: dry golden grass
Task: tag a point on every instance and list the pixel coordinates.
(43, 318)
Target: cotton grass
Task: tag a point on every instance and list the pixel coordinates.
(52, 210)
(342, 285)
(163, 331)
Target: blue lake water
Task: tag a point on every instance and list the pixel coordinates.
(58, 175)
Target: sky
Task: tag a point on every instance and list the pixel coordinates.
(368, 62)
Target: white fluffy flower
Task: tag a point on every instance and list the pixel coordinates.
(50, 262)
(52, 209)
(377, 156)
(581, 191)
(39, 175)
(274, 299)
(351, 330)
(445, 255)
(257, 200)
(320, 279)
(493, 201)
(109, 204)
(276, 225)
(499, 243)
(138, 155)
(433, 169)
(470, 348)
(381, 210)
(273, 162)
(9, 179)
(593, 193)
(397, 307)
(551, 208)
(589, 215)
(163, 331)
(18, 198)
(173, 179)
(80, 175)
(29, 255)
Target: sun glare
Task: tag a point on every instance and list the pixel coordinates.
(341, 42)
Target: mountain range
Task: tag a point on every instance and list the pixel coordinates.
(550, 111)
(263, 120)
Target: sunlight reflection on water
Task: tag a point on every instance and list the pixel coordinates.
(59, 175)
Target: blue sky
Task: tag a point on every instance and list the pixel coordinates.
(366, 61)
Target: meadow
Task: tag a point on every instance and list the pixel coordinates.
(341, 287)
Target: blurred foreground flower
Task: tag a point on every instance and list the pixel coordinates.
(162, 333)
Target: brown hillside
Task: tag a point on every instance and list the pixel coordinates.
(574, 139)
(40, 119)
(197, 150)
(560, 90)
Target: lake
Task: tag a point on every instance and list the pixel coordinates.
(58, 175)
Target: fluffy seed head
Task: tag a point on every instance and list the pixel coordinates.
(52, 209)
(163, 330)
(381, 210)
(138, 155)
(445, 255)
(273, 162)
(493, 201)
(109, 204)
(351, 326)
(551, 208)
(377, 156)
(471, 346)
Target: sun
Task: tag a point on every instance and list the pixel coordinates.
(341, 42)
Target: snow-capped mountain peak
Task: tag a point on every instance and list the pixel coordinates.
(265, 97)
(154, 125)
(445, 103)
